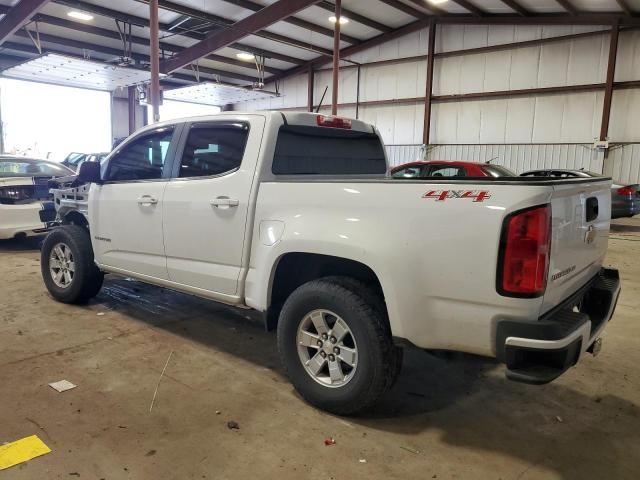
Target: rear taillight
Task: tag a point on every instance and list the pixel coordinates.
(524, 253)
(334, 122)
(17, 194)
(629, 191)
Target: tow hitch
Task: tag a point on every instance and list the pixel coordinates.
(595, 347)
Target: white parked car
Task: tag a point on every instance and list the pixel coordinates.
(294, 215)
(26, 206)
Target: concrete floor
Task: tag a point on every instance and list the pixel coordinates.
(449, 416)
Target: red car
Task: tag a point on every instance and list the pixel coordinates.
(437, 168)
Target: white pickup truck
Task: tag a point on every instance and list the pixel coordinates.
(294, 215)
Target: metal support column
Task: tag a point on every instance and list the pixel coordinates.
(154, 40)
(611, 73)
(310, 83)
(132, 105)
(336, 59)
(429, 90)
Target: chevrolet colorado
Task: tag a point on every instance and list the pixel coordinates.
(295, 215)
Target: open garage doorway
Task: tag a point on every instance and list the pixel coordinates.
(50, 121)
(171, 110)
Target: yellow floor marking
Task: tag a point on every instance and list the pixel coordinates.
(21, 450)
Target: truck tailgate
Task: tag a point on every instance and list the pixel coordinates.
(581, 214)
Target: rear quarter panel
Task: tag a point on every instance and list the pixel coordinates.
(436, 260)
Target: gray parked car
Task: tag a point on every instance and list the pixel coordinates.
(625, 199)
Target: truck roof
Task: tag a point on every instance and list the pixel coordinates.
(290, 117)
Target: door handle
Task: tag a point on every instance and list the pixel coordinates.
(147, 200)
(224, 202)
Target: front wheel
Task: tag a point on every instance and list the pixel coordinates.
(67, 265)
(336, 347)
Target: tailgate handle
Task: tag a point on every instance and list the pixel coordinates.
(592, 209)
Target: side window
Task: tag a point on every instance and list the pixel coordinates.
(409, 172)
(564, 174)
(213, 149)
(446, 171)
(142, 159)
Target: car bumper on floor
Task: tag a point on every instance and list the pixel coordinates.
(25, 220)
(540, 351)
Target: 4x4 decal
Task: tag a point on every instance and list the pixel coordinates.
(442, 195)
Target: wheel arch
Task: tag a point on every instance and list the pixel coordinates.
(75, 218)
(293, 269)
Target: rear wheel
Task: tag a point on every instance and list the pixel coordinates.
(67, 265)
(336, 346)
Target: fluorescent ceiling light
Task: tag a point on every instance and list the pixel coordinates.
(245, 56)
(436, 2)
(80, 15)
(343, 20)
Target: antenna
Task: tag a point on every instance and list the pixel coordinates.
(322, 99)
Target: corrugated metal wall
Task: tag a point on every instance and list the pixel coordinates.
(537, 120)
(623, 163)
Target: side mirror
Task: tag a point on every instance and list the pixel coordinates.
(89, 172)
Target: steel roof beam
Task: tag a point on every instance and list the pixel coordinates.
(226, 23)
(345, 52)
(582, 18)
(18, 16)
(433, 10)
(267, 16)
(403, 7)
(106, 33)
(515, 6)
(471, 7)
(298, 22)
(568, 6)
(356, 17)
(143, 22)
(624, 5)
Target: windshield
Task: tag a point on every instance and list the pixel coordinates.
(18, 167)
(498, 171)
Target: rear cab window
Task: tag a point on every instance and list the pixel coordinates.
(213, 149)
(497, 171)
(307, 150)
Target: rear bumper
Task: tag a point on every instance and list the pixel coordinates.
(540, 351)
(625, 208)
(27, 219)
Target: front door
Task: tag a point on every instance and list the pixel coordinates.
(207, 204)
(126, 210)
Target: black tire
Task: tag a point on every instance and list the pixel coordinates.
(377, 364)
(376, 301)
(87, 278)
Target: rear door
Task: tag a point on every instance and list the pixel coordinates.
(581, 214)
(206, 204)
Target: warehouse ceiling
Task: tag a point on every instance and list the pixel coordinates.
(118, 31)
